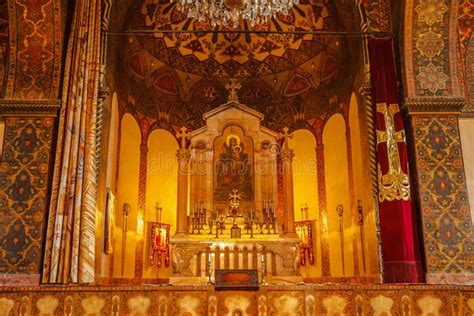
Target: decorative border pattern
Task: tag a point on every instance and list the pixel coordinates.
(35, 49)
(445, 214)
(35, 107)
(23, 186)
(269, 300)
(432, 68)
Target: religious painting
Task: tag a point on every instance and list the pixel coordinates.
(233, 162)
(160, 244)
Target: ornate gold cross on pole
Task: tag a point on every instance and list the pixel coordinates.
(285, 136)
(395, 185)
(233, 86)
(184, 136)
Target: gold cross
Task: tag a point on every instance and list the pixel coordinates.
(234, 198)
(184, 136)
(233, 86)
(285, 136)
(394, 185)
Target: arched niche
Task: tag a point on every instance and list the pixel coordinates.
(367, 256)
(338, 193)
(127, 192)
(161, 187)
(107, 184)
(305, 188)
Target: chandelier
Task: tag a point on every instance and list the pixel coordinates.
(229, 12)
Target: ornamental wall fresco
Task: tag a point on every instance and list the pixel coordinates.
(35, 49)
(23, 186)
(442, 193)
(175, 78)
(432, 65)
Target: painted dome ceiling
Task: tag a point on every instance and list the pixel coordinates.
(241, 55)
(176, 77)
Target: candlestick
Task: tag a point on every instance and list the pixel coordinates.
(340, 213)
(209, 269)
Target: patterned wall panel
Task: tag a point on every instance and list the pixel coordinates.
(432, 65)
(446, 220)
(23, 185)
(269, 300)
(466, 38)
(35, 49)
(3, 42)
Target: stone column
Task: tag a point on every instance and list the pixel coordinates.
(323, 209)
(141, 209)
(289, 215)
(183, 156)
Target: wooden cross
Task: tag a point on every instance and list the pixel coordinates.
(285, 136)
(184, 136)
(233, 86)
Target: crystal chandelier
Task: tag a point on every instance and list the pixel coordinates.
(228, 12)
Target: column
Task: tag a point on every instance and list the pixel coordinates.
(443, 198)
(289, 212)
(354, 216)
(323, 210)
(141, 209)
(183, 156)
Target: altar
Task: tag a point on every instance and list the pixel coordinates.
(233, 217)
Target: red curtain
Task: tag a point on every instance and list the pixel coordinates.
(400, 247)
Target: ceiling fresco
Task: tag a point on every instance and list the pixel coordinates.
(174, 78)
(239, 55)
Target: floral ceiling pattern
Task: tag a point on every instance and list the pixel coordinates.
(173, 78)
(239, 55)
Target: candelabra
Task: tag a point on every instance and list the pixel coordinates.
(269, 217)
(198, 218)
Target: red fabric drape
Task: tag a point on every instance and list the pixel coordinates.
(400, 248)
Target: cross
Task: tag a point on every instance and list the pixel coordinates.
(234, 198)
(395, 184)
(285, 136)
(233, 86)
(183, 135)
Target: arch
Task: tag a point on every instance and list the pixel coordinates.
(127, 184)
(338, 193)
(362, 188)
(161, 187)
(305, 187)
